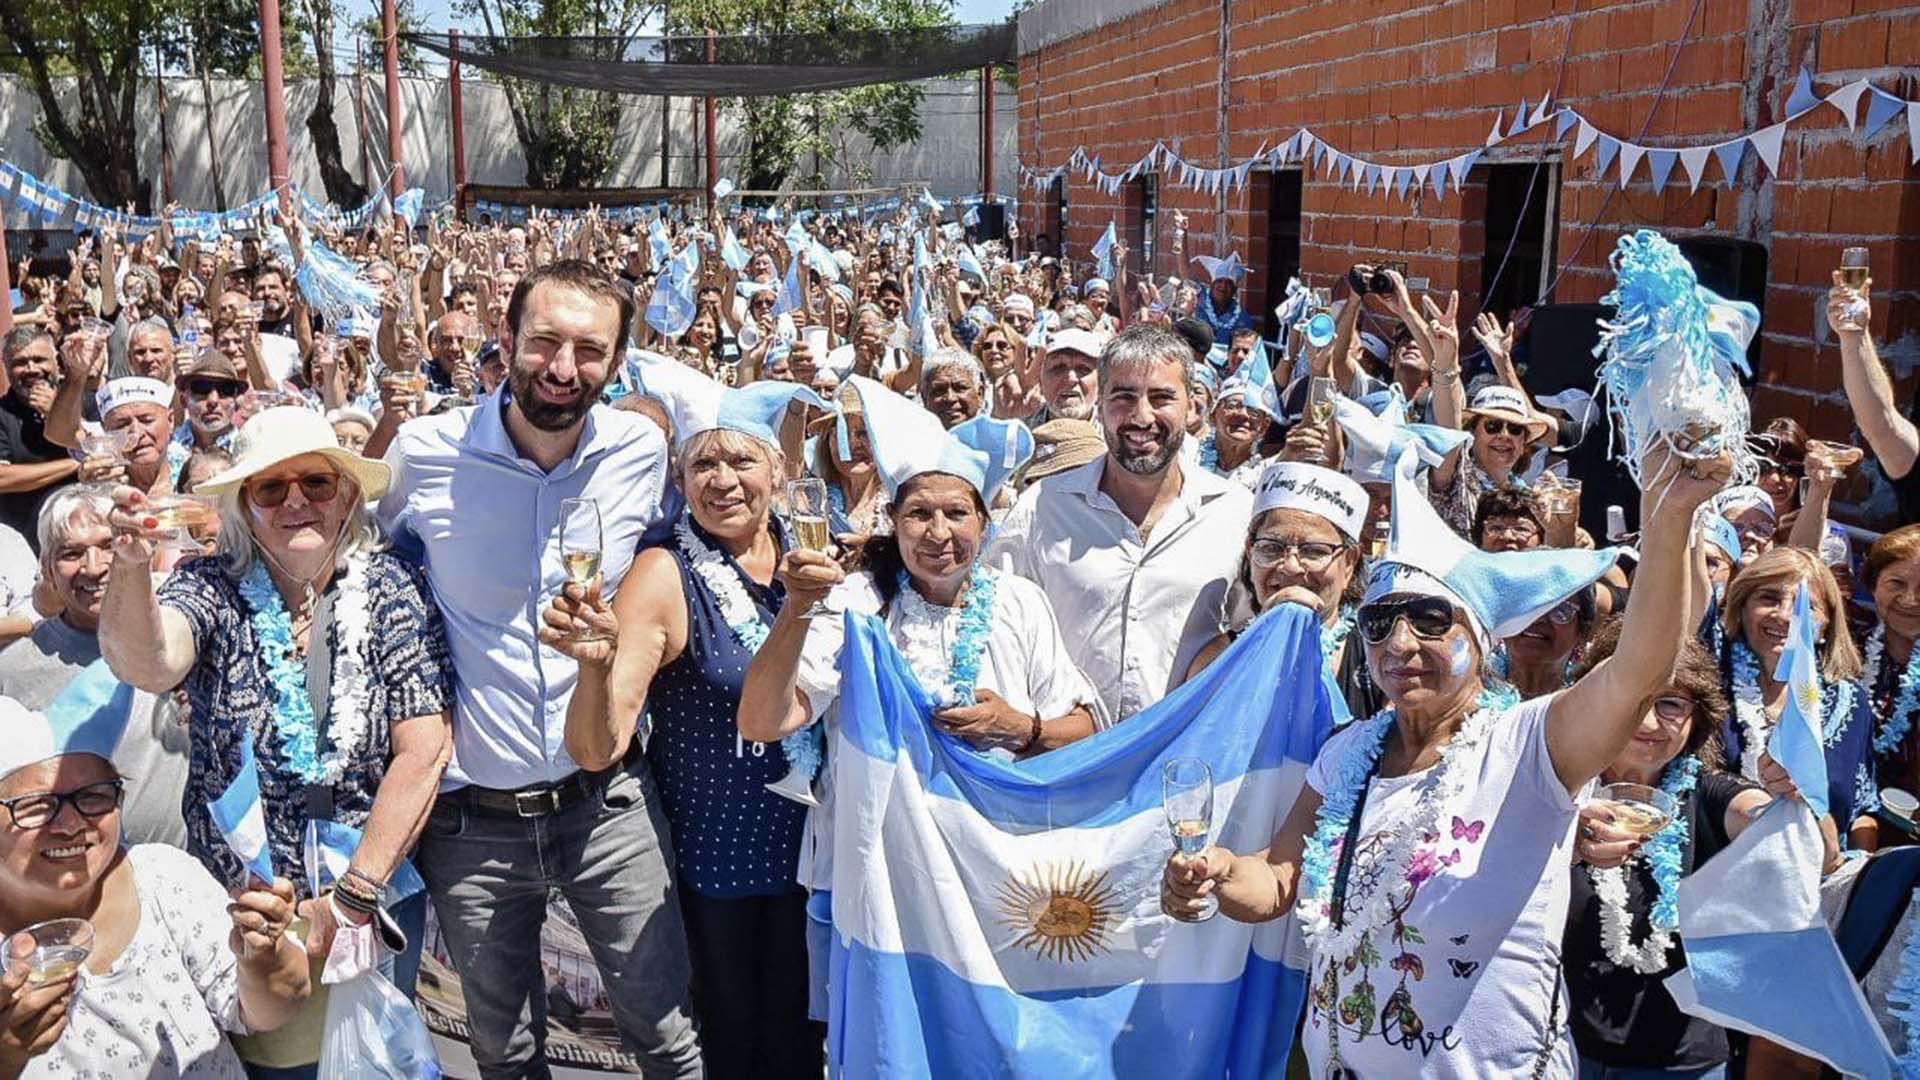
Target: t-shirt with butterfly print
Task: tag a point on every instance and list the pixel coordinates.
(1461, 979)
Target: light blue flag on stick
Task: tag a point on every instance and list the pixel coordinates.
(671, 309)
(1796, 741)
(722, 188)
(406, 205)
(1000, 918)
(731, 251)
(964, 257)
(238, 815)
(1103, 252)
(1760, 958)
(330, 847)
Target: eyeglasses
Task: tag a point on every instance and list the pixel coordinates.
(1313, 555)
(1511, 527)
(314, 487)
(1563, 613)
(91, 802)
(1429, 617)
(204, 387)
(1673, 708)
(1502, 427)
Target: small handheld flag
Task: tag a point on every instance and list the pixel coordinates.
(1796, 743)
(238, 815)
(1103, 252)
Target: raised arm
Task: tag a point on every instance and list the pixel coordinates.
(772, 706)
(1592, 721)
(147, 645)
(620, 648)
(1888, 432)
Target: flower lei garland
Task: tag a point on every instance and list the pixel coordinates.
(969, 640)
(295, 726)
(1906, 700)
(1903, 1003)
(1210, 455)
(1663, 858)
(1750, 709)
(804, 748)
(1435, 790)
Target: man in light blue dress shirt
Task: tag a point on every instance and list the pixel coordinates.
(477, 494)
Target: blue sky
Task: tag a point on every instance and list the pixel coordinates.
(435, 13)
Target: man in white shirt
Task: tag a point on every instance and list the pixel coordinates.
(478, 491)
(1136, 552)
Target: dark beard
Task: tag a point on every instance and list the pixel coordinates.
(542, 415)
(1153, 464)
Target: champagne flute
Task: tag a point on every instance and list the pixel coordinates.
(1187, 791)
(807, 514)
(580, 547)
(1637, 808)
(51, 950)
(1853, 274)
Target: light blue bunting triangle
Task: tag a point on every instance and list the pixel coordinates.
(1661, 163)
(1566, 119)
(1373, 177)
(1519, 120)
(1400, 185)
(1604, 148)
(1881, 107)
(1437, 176)
(1730, 154)
(1803, 97)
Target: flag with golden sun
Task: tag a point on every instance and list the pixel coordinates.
(1002, 918)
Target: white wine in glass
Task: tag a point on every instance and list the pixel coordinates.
(1853, 274)
(807, 514)
(1321, 393)
(1637, 808)
(580, 544)
(1187, 791)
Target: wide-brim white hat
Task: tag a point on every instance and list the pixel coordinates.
(289, 431)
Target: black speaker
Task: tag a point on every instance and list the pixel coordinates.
(1559, 347)
(993, 222)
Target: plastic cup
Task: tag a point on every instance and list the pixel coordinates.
(51, 951)
(1899, 803)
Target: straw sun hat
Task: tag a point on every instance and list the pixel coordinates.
(281, 434)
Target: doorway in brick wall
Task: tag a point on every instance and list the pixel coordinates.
(1143, 212)
(1053, 220)
(1523, 219)
(1283, 242)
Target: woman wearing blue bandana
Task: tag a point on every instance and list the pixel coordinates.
(1428, 857)
(675, 645)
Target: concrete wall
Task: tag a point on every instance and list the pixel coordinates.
(1408, 81)
(947, 154)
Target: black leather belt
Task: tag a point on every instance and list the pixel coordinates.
(542, 800)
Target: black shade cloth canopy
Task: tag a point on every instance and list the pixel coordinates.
(744, 65)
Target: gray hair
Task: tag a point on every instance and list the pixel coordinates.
(70, 504)
(948, 359)
(21, 336)
(1145, 345)
(729, 441)
(236, 544)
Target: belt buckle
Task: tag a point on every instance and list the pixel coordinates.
(536, 803)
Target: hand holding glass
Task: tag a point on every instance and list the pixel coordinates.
(807, 514)
(580, 547)
(1187, 790)
(52, 950)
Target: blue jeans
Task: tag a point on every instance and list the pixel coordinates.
(608, 854)
(1593, 1070)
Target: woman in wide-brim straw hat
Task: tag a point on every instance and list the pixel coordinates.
(305, 638)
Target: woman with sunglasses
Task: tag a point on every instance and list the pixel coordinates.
(308, 642)
(1540, 659)
(1619, 942)
(1755, 619)
(176, 964)
(1428, 856)
(1303, 547)
(1782, 449)
(1504, 425)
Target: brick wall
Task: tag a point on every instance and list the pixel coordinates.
(1420, 80)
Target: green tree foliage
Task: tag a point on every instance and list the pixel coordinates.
(802, 136)
(567, 134)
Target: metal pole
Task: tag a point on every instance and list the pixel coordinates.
(166, 150)
(986, 132)
(713, 127)
(459, 131)
(6, 280)
(275, 76)
(360, 114)
(396, 121)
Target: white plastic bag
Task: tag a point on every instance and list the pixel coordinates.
(373, 1033)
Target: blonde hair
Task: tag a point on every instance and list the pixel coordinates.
(1788, 566)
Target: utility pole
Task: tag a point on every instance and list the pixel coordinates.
(274, 72)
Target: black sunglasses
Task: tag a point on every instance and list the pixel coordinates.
(92, 801)
(204, 387)
(1429, 617)
(1502, 427)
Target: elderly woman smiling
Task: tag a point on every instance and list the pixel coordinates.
(1429, 854)
(174, 965)
(307, 639)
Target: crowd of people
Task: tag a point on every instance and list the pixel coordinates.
(530, 574)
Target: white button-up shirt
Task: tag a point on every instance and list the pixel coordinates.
(1135, 611)
(486, 523)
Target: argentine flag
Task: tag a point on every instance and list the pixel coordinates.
(997, 918)
(1796, 740)
(1103, 252)
(238, 815)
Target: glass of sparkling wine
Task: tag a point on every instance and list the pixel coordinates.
(1187, 789)
(807, 513)
(182, 515)
(1637, 808)
(52, 950)
(580, 545)
(1853, 274)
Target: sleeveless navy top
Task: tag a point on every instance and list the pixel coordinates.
(731, 836)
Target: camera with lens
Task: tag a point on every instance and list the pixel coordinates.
(1373, 278)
